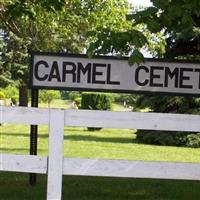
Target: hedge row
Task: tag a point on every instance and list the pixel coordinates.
(96, 101)
(166, 138)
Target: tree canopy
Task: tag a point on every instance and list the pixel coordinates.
(58, 26)
(167, 29)
(178, 20)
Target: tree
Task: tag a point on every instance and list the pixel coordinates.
(48, 95)
(128, 41)
(60, 26)
(171, 24)
(178, 20)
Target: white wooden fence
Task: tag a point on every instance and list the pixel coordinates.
(55, 165)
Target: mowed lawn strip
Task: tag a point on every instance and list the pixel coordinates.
(107, 144)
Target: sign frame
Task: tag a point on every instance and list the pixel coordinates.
(35, 53)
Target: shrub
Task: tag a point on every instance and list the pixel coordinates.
(2, 95)
(168, 138)
(71, 95)
(48, 95)
(96, 101)
(11, 91)
(130, 99)
(193, 140)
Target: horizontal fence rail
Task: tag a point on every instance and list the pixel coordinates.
(107, 168)
(132, 120)
(55, 165)
(131, 169)
(24, 115)
(104, 119)
(23, 163)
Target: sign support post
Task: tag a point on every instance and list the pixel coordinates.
(33, 134)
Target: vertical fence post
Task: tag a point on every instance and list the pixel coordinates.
(55, 159)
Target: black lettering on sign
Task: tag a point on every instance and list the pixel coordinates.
(96, 73)
(81, 69)
(54, 73)
(198, 70)
(36, 70)
(71, 71)
(154, 76)
(108, 76)
(137, 80)
(183, 78)
(171, 74)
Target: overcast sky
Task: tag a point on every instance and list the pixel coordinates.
(140, 2)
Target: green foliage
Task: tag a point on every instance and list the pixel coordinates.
(166, 138)
(120, 43)
(96, 101)
(2, 95)
(162, 138)
(11, 91)
(193, 140)
(48, 95)
(136, 57)
(165, 29)
(70, 95)
(130, 39)
(179, 25)
(130, 99)
(51, 26)
(167, 104)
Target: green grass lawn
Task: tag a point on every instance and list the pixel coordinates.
(108, 144)
(14, 186)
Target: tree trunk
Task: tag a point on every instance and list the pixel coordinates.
(23, 96)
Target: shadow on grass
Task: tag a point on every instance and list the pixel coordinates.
(98, 139)
(23, 135)
(14, 186)
(19, 150)
(79, 138)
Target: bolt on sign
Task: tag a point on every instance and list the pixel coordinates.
(78, 72)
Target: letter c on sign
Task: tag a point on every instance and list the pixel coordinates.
(145, 82)
(37, 65)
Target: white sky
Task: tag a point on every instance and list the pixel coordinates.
(140, 2)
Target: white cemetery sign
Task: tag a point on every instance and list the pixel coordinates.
(77, 72)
